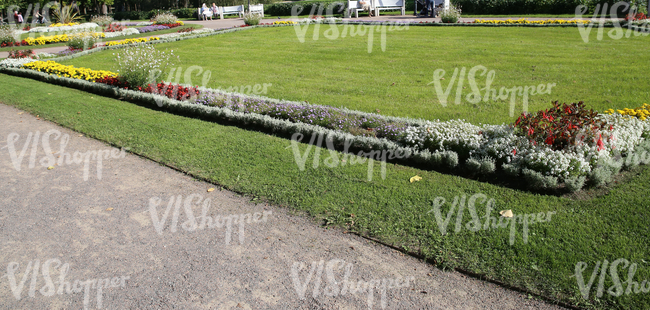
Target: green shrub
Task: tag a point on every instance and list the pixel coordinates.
(7, 34)
(536, 180)
(450, 159)
(450, 15)
(510, 170)
(473, 165)
(600, 176)
(252, 19)
(141, 65)
(102, 20)
(575, 184)
(307, 8)
(81, 41)
(515, 7)
(488, 165)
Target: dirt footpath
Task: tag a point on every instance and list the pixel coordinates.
(131, 234)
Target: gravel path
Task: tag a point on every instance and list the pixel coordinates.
(98, 231)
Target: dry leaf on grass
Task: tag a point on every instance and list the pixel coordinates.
(506, 213)
(416, 178)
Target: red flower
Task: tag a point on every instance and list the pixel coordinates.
(514, 152)
(600, 144)
(549, 140)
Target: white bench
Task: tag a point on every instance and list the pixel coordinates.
(356, 7)
(237, 9)
(256, 8)
(390, 5)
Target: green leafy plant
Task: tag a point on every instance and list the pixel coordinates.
(562, 125)
(66, 14)
(81, 41)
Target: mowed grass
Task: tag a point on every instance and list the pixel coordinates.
(605, 74)
(393, 210)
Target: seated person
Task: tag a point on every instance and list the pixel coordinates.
(365, 5)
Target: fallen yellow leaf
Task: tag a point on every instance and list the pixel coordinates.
(21, 113)
(506, 213)
(50, 167)
(211, 189)
(416, 178)
(109, 209)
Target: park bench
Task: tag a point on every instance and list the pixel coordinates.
(354, 6)
(389, 5)
(237, 9)
(257, 9)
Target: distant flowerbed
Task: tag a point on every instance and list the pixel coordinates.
(63, 25)
(131, 41)
(523, 21)
(58, 69)
(42, 40)
(152, 28)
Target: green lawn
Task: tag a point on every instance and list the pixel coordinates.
(341, 73)
(605, 74)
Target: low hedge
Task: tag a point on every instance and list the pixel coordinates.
(516, 7)
(306, 8)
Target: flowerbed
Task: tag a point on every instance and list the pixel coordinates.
(285, 22)
(641, 112)
(152, 28)
(591, 156)
(63, 25)
(523, 21)
(78, 27)
(172, 25)
(125, 32)
(21, 54)
(131, 41)
(58, 69)
(42, 40)
(113, 28)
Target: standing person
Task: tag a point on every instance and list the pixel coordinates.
(15, 16)
(20, 18)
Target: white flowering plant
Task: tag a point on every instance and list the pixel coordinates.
(165, 18)
(142, 65)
